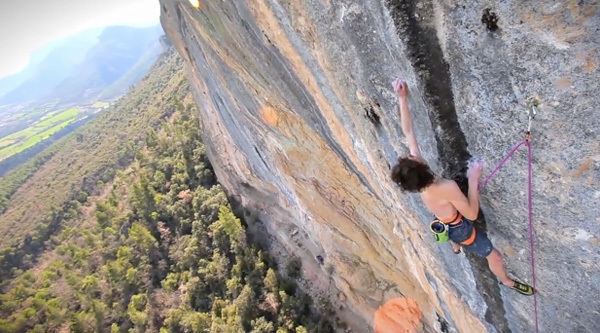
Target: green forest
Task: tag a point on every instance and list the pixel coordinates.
(154, 247)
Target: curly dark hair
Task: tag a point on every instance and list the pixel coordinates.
(411, 175)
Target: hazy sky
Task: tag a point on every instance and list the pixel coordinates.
(27, 25)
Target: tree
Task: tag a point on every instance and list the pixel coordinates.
(262, 325)
(152, 138)
(81, 196)
(234, 286)
(271, 282)
(228, 232)
(90, 285)
(136, 313)
(196, 322)
(229, 322)
(207, 202)
(141, 237)
(246, 305)
(173, 320)
(294, 268)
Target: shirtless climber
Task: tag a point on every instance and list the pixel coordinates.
(446, 201)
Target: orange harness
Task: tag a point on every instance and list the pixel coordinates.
(454, 221)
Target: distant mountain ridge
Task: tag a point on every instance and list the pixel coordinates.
(48, 66)
(120, 49)
(84, 67)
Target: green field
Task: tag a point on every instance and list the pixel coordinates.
(46, 126)
(33, 114)
(100, 104)
(56, 117)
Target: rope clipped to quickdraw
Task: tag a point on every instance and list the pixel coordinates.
(532, 113)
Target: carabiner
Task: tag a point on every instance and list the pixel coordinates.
(532, 113)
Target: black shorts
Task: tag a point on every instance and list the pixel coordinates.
(482, 246)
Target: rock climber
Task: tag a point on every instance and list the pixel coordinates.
(446, 201)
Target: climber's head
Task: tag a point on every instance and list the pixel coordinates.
(412, 174)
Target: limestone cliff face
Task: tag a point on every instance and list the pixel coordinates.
(302, 125)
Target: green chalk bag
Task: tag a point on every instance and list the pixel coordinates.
(439, 230)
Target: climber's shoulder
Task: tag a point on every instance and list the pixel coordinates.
(447, 188)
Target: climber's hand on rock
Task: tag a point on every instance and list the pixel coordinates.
(400, 88)
(475, 171)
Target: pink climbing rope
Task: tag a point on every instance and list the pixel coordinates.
(531, 231)
(530, 208)
(501, 164)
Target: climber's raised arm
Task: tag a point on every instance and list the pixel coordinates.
(407, 127)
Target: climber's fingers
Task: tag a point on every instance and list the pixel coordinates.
(400, 87)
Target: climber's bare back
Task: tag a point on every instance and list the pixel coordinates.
(437, 198)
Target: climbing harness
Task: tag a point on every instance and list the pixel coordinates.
(527, 142)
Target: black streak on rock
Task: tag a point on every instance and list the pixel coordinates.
(490, 19)
(261, 157)
(372, 115)
(426, 56)
(444, 327)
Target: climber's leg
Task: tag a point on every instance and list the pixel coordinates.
(497, 267)
(455, 247)
(479, 244)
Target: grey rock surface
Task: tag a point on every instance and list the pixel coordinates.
(301, 124)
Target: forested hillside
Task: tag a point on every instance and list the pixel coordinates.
(37, 196)
(147, 241)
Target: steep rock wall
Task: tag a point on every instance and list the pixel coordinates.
(302, 125)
